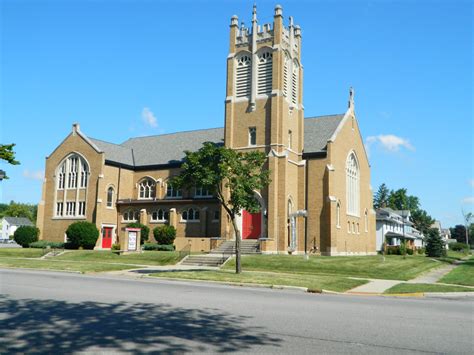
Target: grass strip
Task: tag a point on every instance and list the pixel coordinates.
(416, 288)
(461, 275)
(312, 282)
(145, 258)
(21, 253)
(62, 265)
(394, 267)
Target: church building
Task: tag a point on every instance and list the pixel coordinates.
(318, 164)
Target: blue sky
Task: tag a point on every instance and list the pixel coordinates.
(129, 68)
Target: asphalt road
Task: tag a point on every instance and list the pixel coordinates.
(50, 312)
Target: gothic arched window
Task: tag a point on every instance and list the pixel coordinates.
(243, 75)
(110, 197)
(146, 189)
(160, 215)
(264, 73)
(190, 214)
(352, 185)
(294, 83)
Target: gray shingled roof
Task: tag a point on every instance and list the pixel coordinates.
(317, 131)
(18, 221)
(115, 152)
(169, 148)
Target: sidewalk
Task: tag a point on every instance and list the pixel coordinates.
(432, 276)
(374, 286)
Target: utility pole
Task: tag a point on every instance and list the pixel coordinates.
(468, 217)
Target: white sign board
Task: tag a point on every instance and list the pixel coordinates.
(132, 240)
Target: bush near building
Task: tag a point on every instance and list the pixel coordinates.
(435, 244)
(25, 235)
(158, 247)
(164, 235)
(458, 247)
(82, 235)
(44, 244)
(145, 231)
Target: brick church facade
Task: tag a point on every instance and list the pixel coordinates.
(317, 164)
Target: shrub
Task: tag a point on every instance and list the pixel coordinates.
(158, 247)
(145, 231)
(403, 248)
(25, 235)
(409, 251)
(44, 244)
(458, 247)
(420, 251)
(435, 244)
(393, 250)
(116, 246)
(164, 234)
(82, 235)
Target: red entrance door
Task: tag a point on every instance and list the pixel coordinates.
(107, 237)
(251, 225)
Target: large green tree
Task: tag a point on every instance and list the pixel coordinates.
(400, 200)
(15, 209)
(422, 220)
(381, 197)
(231, 175)
(7, 154)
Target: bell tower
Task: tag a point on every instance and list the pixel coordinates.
(264, 111)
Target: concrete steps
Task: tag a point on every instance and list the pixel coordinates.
(247, 247)
(205, 260)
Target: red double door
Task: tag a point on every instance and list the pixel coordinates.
(107, 237)
(251, 225)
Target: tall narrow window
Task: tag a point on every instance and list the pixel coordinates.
(264, 73)
(338, 215)
(294, 83)
(290, 139)
(173, 192)
(72, 172)
(146, 189)
(243, 75)
(59, 209)
(366, 220)
(62, 176)
(286, 70)
(352, 185)
(110, 197)
(252, 136)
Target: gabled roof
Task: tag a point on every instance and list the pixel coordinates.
(318, 130)
(18, 221)
(167, 149)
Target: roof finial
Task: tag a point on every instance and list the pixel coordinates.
(351, 98)
(254, 12)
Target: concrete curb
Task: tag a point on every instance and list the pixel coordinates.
(40, 269)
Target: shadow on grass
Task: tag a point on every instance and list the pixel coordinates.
(50, 326)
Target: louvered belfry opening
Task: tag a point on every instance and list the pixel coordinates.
(294, 84)
(243, 77)
(264, 73)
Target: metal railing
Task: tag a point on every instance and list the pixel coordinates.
(185, 252)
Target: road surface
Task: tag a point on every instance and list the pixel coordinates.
(52, 312)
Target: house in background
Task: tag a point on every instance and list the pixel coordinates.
(394, 227)
(8, 226)
(445, 233)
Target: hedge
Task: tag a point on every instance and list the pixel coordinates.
(458, 247)
(45, 244)
(164, 234)
(82, 235)
(158, 247)
(25, 235)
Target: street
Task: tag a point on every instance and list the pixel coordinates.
(52, 312)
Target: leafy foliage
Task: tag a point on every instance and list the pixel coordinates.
(164, 234)
(435, 244)
(422, 220)
(145, 231)
(7, 154)
(158, 247)
(44, 243)
(82, 235)
(458, 247)
(232, 175)
(25, 235)
(381, 197)
(15, 209)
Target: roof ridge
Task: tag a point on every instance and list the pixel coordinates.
(101, 140)
(332, 115)
(169, 134)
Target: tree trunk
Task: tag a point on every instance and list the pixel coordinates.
(238, 264)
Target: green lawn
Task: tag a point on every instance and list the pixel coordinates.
(393, 268)
(84, 260)
(145, 258)
(452, 256)
(461, 275)
(417, 288)
(313, 282)
(20, 253)
(61, 265)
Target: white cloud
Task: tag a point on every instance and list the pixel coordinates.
(34, 175)
(149, 118)
(389, 142)
(471, 182)
(468, 200)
